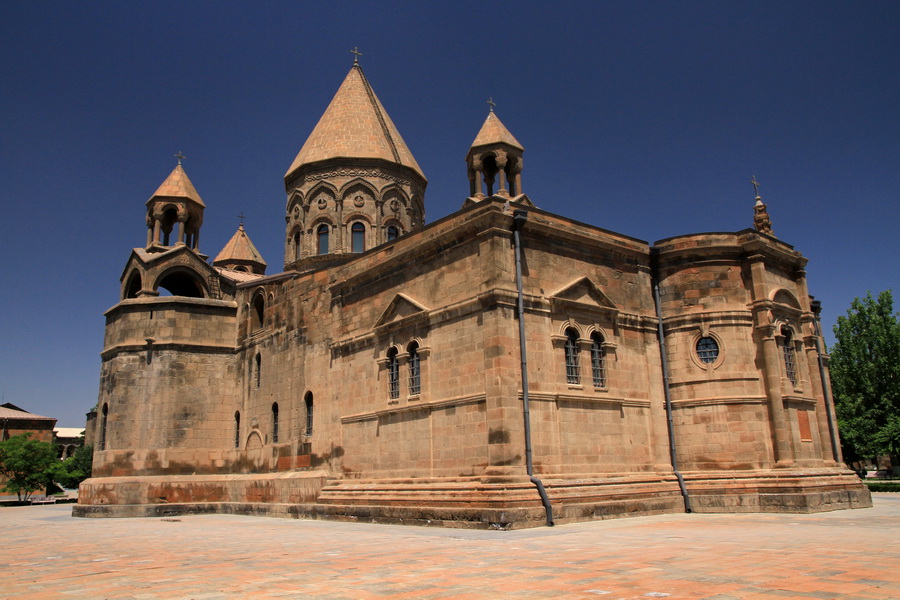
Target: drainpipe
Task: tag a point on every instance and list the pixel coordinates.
(826, 382)
(673, 456)
(519, 218)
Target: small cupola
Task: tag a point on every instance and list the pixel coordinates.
(494, 161)
(174, 213)
(239, 254)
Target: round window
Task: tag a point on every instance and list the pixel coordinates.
(707, 350)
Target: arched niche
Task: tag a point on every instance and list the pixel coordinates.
(181, 282)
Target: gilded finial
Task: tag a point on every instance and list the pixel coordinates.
(180, 156)
(357, 54)
(491, 104)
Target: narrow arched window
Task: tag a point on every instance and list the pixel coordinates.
(309, 413)
(790, 363)
(392, 233)
(274, 422)
(322, 238)
(393, 364)
(258, 369)
(297, 240)
(415, 379)
(358, 237)
(598, 361)
(573, 377)
(257, 312)
(237, 429)
(104, 414)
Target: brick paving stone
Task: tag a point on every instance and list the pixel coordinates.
(844, 555)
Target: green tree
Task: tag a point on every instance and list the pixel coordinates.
(75, 469)
(28, 463)
(865, 376)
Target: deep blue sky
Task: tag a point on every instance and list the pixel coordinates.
(646, 118)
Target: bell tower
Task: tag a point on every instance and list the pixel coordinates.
(174, 213)
(494, 161)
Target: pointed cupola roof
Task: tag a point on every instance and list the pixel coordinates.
(177, 185)
(494, 132)
(240, 252)
(355, 125)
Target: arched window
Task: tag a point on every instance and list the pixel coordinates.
(104, 415)
(169, 221)
(274, 422)
(257, 312)
(297, 240)
(258, 369)
(415, 378)
(392, 233)
(309, 413)
(181, 283)
(393, 374)
(322, 238)
(133, 288)
(358, 237)
(598, 361)
(707, 350)
(573, 377)
(790, 363)
(237, 429)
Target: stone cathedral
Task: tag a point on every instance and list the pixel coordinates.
(501, 367)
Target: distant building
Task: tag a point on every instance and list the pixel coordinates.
(16, 421)
(67, 440)
(380, 375)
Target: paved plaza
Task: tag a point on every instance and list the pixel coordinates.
(844, 554)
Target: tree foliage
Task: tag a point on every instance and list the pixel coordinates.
(29, 464)
(75, 469)
(865, 376)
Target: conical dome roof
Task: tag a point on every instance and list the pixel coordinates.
(240, 251)
(177, 185)
(494, 132)
(355, 125)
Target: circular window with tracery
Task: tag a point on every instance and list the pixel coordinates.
(707, 350)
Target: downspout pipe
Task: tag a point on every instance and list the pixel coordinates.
(519, 219)
(826, 382)
(673, 454)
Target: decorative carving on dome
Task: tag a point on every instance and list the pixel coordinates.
(356, 173)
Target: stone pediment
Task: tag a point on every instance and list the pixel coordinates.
(585, 294)
(401, 308)
(179, 255)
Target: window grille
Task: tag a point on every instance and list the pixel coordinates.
(572, 375)
(393, 374)
(707, 350)
(598, 361)
(790, 363)
(415, 380)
